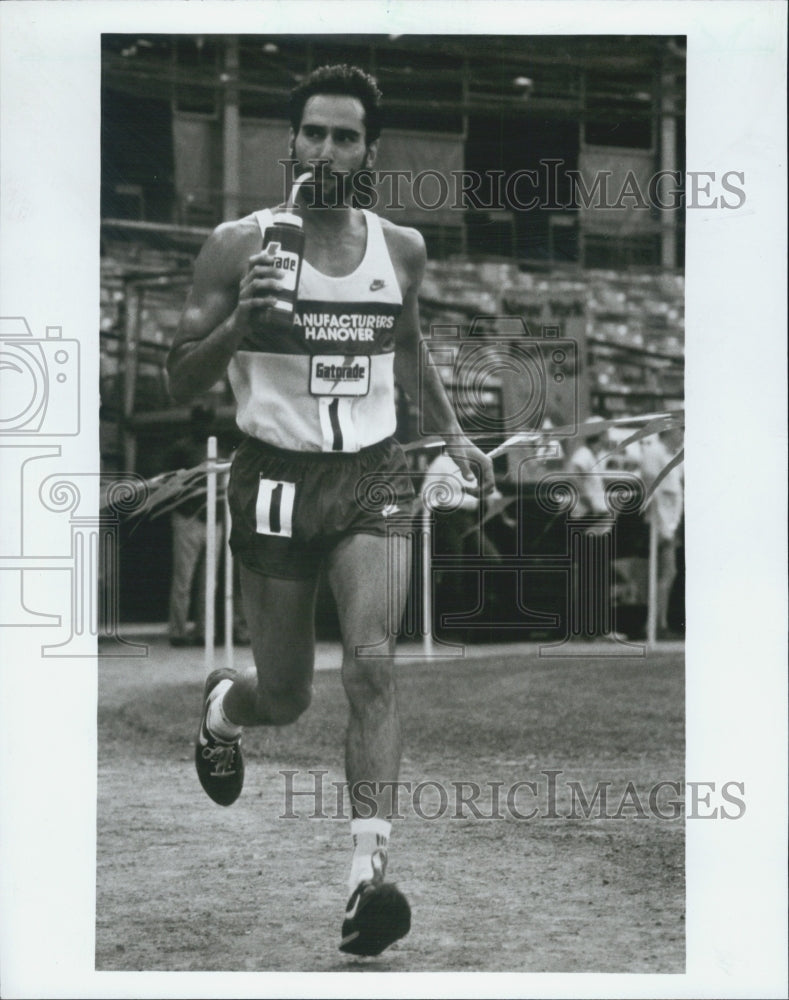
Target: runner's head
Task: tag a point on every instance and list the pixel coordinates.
(335, 124)
(343, 81)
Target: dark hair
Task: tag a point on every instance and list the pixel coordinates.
(347, 81)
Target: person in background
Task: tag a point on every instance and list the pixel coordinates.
(538, 454)
(189, 523)
(590, 460)
(664, 511)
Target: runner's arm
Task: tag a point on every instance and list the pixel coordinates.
(228, 290)
(425, 388)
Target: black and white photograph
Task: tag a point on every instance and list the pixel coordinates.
(514, 289)
(381, 414)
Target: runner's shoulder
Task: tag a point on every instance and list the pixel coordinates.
(406, 245)
(229, 247)
(237, 236)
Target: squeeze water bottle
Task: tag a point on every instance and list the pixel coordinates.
(284, 241)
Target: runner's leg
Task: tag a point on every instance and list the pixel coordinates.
(368, 575)
(281, 619)
(274, 692)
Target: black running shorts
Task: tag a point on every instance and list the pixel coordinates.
(289, 509)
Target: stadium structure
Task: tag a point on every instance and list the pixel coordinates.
(538, 205)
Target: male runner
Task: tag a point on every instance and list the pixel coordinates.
(300, 477)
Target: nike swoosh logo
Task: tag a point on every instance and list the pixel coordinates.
(351, 913)
(377, 284)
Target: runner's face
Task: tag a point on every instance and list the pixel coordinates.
(332, 130)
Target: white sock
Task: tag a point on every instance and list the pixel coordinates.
(369, 835)
(219, 726)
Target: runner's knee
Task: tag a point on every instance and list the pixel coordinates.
(367, 681)
(280, 708)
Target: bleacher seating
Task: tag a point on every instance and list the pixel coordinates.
(634, 321)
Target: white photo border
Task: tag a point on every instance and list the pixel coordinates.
(736, 690)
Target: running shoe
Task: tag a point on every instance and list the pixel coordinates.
(220, 766)
(377, 914)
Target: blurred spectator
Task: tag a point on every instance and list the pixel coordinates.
(590, 460)
(629, 458)
(189, 535)
(538, 454)
(630, 565)
(664, 510)
(189, 543)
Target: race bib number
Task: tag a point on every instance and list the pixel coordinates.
(274, 508)
(335, 375)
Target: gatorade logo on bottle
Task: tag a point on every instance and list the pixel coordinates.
(284, 241)
(286, 263)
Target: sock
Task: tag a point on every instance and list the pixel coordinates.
(219, 726)
(368, 835)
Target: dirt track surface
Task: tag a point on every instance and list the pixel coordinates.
(183, 884)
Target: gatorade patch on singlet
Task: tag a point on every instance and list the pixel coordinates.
(335, 375)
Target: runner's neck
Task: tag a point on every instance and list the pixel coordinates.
(328, 222)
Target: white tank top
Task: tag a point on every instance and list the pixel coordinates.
(327, 384)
